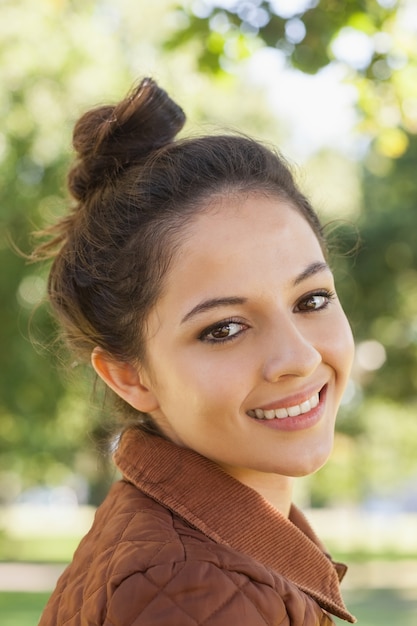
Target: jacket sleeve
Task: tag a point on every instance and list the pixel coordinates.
(203, 594)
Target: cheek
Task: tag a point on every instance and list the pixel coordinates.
(340, 346)
(202, 383)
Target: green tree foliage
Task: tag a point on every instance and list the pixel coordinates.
(377, 441)
(45, 74)
(383, 305)
(58, 57)
(303, 31)
(373, 39)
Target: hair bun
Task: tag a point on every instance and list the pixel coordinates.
(108, 139)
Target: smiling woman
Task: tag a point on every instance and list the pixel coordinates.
(193, 273)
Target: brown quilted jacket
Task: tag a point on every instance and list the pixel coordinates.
(178, 542)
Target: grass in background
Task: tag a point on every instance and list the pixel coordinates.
(363, 556)
(382, 607)
(21, 609)
(38, 549)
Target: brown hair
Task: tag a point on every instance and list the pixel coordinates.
(136, 188)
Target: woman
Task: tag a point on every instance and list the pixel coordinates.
(194, 274)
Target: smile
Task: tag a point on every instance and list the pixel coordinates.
(291, 411)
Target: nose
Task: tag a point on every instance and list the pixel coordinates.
(290, 353)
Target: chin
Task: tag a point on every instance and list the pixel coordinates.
(307, 467)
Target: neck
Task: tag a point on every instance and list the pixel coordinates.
(275, 488)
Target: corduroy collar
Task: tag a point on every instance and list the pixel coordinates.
(232, 514)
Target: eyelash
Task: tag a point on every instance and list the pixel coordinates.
(323, 293)
(204, 336)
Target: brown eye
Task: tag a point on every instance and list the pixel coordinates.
(315, 301)
(222, 332)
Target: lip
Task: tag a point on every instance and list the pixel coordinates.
(298, 398)
(298, 422)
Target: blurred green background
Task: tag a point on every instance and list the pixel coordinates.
(334, 86)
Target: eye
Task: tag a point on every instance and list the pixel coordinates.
(223, 331)
(315, 301)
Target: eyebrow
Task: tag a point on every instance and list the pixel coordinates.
(311, 270)
(215, 303)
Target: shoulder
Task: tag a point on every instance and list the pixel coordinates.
(131, 532)
(135, 534)
(140, 564)
(203, 592)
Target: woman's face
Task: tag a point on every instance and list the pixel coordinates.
(248, 348)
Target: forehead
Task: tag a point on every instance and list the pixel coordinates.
(234, 222)
(237, 237)
(253, 248)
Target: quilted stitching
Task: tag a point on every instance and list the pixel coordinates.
(164, 603)
(118, 580)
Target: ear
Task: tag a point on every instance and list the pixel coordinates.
(126, 380)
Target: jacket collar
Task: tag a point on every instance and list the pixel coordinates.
(232, 514)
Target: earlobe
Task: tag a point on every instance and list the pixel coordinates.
(125, 380)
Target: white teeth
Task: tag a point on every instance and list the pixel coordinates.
(305, 406)
(291, 411)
